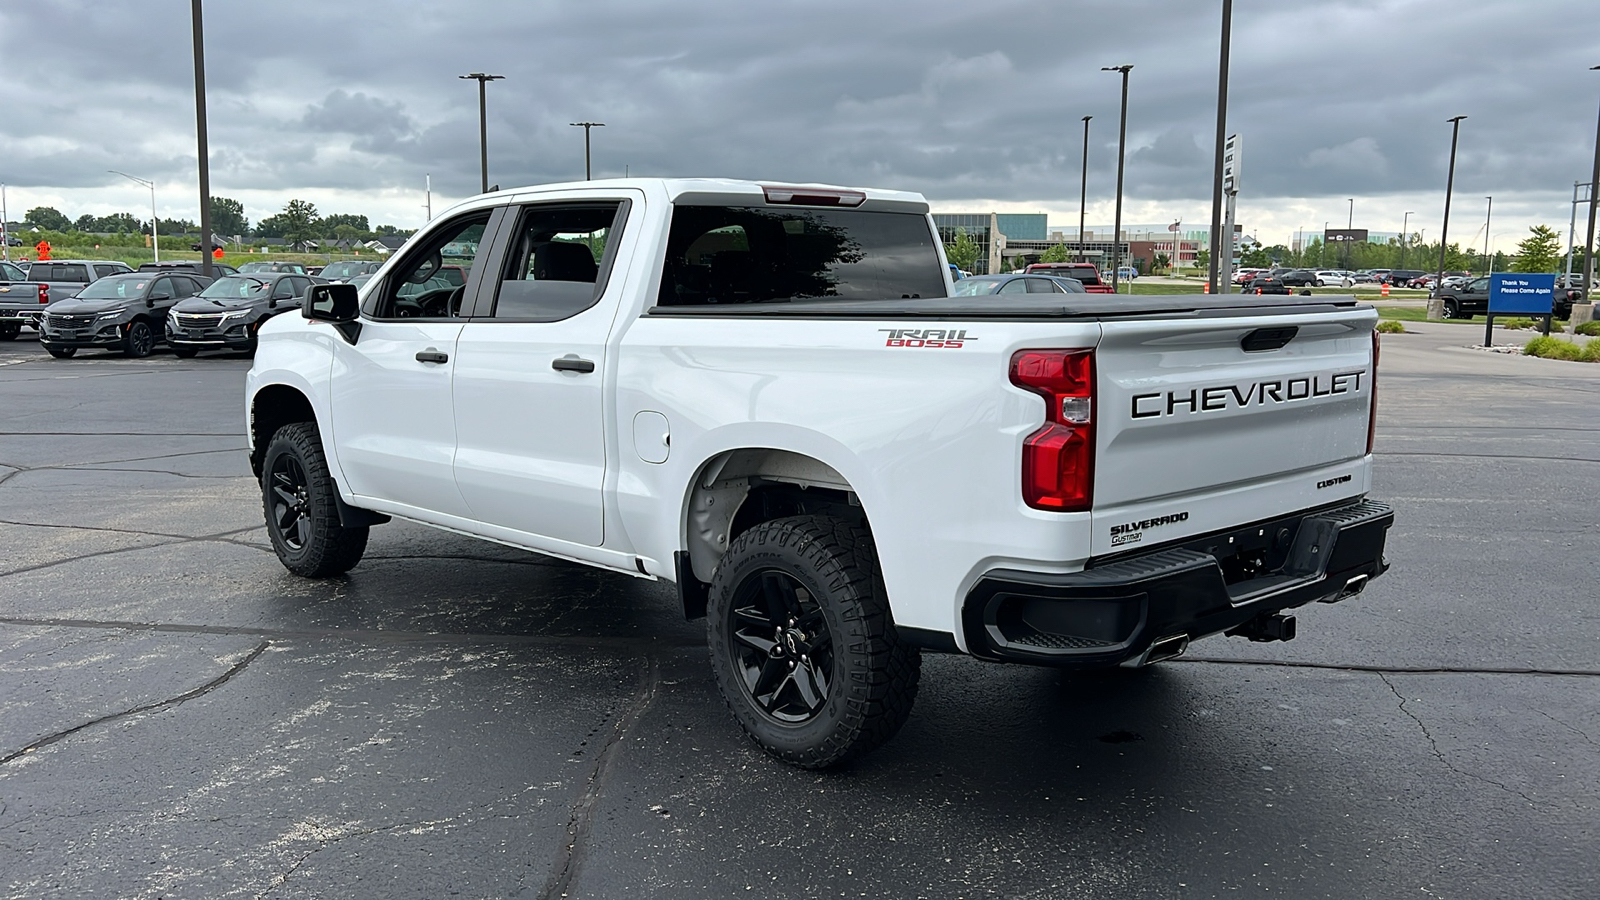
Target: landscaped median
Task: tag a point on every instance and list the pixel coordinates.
(1552, 347)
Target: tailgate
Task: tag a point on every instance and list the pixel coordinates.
(1258, 415)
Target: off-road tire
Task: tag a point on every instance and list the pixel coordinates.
(138, 340)
(1452, 309)
(62, 352)
(299, 501)
(10, 330)
(873, 679)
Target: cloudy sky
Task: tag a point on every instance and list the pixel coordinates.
(976, 105)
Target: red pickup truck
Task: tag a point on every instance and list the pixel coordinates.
(1084, 272)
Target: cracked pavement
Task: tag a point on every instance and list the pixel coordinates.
(179, 717)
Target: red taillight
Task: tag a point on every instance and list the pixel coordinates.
(1372, 395)
(44, 293)
(1058, 459)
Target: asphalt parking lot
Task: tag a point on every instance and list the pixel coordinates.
(179, 717)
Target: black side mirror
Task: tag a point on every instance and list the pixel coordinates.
(337, 304)
(334, 303)
(151, 300)
(272, 303)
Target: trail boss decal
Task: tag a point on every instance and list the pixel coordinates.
(1133, 532)
(1236, 396)
(933, 338)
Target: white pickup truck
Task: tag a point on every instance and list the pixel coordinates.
(763, 393)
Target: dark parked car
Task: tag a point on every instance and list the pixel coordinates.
(191, 266)
(1402, 277)
(1267, 285)
(227, 315)
(344, 270)
(255, 267)
(1472, 299)
(979, 285)
(1082, 272)
(1298, 278)
(120, 312)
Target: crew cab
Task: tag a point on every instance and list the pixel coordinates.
(764, 394)
(20, 301)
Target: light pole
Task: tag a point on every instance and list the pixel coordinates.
(5, 233)
(1349, 224)
(1122, 145)
(1083, 190)
(586, 126)
(204, 154)
(155, 235)
(1218, 247)
(1487, 217)
(1404, 220)
(1449, 185)
(1594, 195)
(483, 121)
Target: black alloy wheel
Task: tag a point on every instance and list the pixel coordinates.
(138, 340)
(302, 506)
(803, 646)
(1452, 308)
(10, 330)
(781, 645)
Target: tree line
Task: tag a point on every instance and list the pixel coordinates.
(297, 223)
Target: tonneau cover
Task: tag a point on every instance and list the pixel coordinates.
(1085, 306)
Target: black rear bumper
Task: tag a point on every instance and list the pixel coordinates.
(1113, 611)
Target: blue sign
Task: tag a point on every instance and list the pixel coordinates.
(1522, 294)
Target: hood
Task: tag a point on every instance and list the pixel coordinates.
(214, 305)
(74, 306)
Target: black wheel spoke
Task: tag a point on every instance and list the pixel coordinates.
(807, 688)
(755, 641)
(287, 496)
(766, 682)
(778, 589)
(286, 516)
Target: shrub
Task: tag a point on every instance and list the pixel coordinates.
(1592, 329)
(1591, 352)
(1518, 322)
(1390, 326)
(1553, 348)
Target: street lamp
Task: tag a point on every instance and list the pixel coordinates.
(1348, 225)
(483, 122)
(1214, 283)
(1594, 195)
(1122, 144)
(204, 154)
(155, 239)
(1449, 185)
(1487, 217)
(1404, 220)
(586, 126)
(1083, 189)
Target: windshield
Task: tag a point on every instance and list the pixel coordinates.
(236, 287)
(113, 289)
(972, 287)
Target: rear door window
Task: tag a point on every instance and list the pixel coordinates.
(71, 272)
(739, 254)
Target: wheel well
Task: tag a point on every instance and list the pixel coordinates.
(274, 406)
(740, 489)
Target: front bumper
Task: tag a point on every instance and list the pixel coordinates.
(238, 335)
(109, 335)
(1114, 611)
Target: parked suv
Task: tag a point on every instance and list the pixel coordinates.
(226, 315)
(344, 270)
(1084, 273)
(193, 267)
(1402, 277)
(122, 312)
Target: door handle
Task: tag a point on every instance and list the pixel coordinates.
(572, 364)
(432, 356)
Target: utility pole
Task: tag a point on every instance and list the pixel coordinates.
(5, 231)
(1449, 186)
(1403, 240)
(587, 176)
(483, 121)
(1487, 217)
(1083, 191)
(1594, 195)
(1219, 243)
(1122, 155)
(200, 134)
(428, 188)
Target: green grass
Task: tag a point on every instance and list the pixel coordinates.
(1556, 348)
